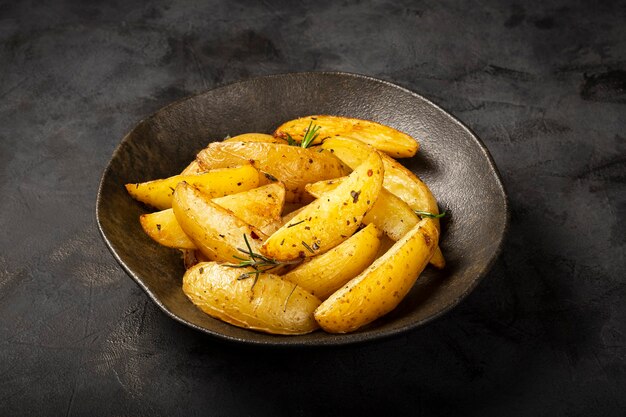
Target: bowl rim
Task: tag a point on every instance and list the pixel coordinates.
(341, 339)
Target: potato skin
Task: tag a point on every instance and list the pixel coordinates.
(381, 287)
(215, 231)
(293, 166)
(327, 222)
(273, 305)
(384, 138)
(324, 274)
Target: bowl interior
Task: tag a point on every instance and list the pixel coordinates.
(452, 161)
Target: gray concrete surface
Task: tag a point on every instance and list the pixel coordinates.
(542, 83)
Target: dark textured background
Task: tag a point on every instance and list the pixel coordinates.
(543, 84)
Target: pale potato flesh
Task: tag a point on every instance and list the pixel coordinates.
(215, 231)
(293, 166)
(324, 274)
(380, 287)
(384, 138)
(271, 304)
(214, 183)
(327, 222)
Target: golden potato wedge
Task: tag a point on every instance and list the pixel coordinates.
(381, 287)
(293, 166)
(390, 214)
(215, 231)
(255, 137)
(331, 220)
(214, 183)
(384, 138)
(260, 207)
(323, 275)
(398, 180)
(163, 227)
(270, 304)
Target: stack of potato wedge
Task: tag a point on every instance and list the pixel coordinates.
(314, 226)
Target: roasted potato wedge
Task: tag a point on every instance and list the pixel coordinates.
(398, 180)
(390, 214)
(269, 304)
(214, 183)
(215, 231)
(331, 220)
(323, 275)
(163, 228)
(259, 207)
(381, 287)
(384, 138)
(255, 137)
(293, 166)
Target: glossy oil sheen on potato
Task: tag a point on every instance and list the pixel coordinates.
(384, 138)
(324, 274)
(214, 183)
(381, 287)
(215, 231)
(327, 222)
(293, 166)
(271, 305)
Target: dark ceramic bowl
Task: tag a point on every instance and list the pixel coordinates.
(452, 161)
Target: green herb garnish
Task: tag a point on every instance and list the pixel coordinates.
(429, 214)
(260, 263)
(291, 141)
(311, 133)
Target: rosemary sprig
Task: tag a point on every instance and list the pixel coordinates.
(291, 141)
(311, 133)
(260, 263)
(429, 214)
